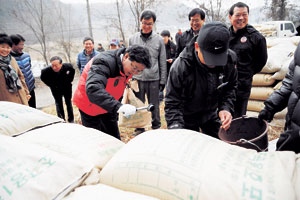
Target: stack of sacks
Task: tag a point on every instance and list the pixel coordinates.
(266, 29)
(280, 54)
(55, 161)
(48, 158)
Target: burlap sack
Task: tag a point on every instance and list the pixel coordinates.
(142, 118)
(277, 56)
(284, 69)
(30, 171)
(255, 105)
(277, 86)
(260, 93)
(16, 118)
(183, 164)
(262, 80)
(104, 192)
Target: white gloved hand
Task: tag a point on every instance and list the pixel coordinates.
(127, 110)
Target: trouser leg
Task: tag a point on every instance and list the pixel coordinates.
(240, 107)
(109, 124)
(32, 100)
(152, 92)
(68, 97)
(211, 127)
(59, 104)
(106, 123)
(140, 95)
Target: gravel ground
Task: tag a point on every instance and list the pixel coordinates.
(43, 93)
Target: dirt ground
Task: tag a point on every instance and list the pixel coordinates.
(274, 129)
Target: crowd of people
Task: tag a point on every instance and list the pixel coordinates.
(204, 77)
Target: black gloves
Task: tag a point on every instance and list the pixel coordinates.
(266, 115)
(161, 87)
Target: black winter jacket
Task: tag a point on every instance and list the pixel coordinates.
(59, 81)
(184, 41)
(288, 95)
(105, 66)
(251, 49)
(170, 54)
(193, 89)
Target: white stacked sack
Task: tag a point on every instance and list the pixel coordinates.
(183, 164)
(50, 158)
(280, 54)
(29, 171)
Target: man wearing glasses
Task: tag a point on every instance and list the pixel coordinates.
(152, 80)
(102, 84)
(251, 49)
(197, 19)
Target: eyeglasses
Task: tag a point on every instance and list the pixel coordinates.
(135, 69)
(147, 24)
(195, 20)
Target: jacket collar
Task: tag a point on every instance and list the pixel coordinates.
(248, 28)
(84, 52)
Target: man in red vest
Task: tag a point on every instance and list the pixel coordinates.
(102, 84)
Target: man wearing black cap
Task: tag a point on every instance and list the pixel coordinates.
(201, 87)
(251, 49)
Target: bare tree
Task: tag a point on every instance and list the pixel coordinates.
(278, 10)
(115, 21)
(213, 9)
(63, 31)
(120, 26)
(137, 7)
(89, 17)
(35, 19)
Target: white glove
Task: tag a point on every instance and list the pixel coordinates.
(127, 110)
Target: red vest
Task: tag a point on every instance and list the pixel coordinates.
(82, 101)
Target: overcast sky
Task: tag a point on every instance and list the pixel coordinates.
(251, 3)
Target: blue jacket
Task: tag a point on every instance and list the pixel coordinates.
(83, 59)
(24, 62)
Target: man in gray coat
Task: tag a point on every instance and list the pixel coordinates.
(152, 80)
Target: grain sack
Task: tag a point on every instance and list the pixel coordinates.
(296, 179)
(16, 118)
(255, 105)
(277, 56)
(183, 164)
(260, 93)
(104, 192)
(76, 141)
(284, 70)
(29, 171)
(295, 40)
(277, 86)
(262, 80)
(141, 119)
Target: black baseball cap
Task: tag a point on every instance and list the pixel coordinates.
(213, 40)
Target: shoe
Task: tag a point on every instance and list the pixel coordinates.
(138, 131)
